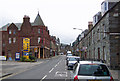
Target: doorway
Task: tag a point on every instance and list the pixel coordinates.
(41, 52)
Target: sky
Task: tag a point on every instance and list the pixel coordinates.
(60, 16)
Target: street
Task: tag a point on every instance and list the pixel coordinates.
(54, 68)
(45, 69)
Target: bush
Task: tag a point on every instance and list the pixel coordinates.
(31, 57)
(25, 59)
(22, 58)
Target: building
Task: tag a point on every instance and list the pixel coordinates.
(106, 5)
(13, 35)
(53, 46)
(97, 17)
(102, 42)
(78, 45)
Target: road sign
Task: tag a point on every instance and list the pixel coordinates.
(26, 45)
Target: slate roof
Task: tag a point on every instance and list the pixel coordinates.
(37, 21)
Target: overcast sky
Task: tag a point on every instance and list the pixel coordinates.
(61, 16)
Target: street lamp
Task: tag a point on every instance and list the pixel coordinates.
(78, 49)
(78, 29)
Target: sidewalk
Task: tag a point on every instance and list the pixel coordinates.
(14, 67)
(115, 74)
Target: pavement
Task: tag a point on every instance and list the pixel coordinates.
(14, 67)
(115, 74)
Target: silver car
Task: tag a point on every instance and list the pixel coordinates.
(91, 71)
(71, 61)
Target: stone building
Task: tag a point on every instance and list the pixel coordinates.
(103, 39)
(13, 35)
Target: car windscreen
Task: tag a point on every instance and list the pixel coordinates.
(72, 59)
(93, 70)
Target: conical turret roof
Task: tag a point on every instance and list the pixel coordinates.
(38, 20)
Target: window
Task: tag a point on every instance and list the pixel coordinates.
(104, 35)
(38, 40)
(93, 69)
(105, 6)
(10, 41)
(38, 30)
(98, 35)
(14, 40)
(10, 31)
(14, 32)
(3, 44)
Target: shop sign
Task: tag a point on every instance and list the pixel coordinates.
(17, 56)
(26, 45)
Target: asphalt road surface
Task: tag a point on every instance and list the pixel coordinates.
(50, 69)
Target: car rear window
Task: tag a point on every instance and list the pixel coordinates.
(69, 55)
(93, 70)
(72, 59)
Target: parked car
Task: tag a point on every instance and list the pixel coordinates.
(68, 55)
(71, 61)
(91, 71)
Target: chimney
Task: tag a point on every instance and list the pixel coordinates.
(90, 25)
(26, 18)
(26, 27)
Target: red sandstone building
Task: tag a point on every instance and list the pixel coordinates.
(14, 33)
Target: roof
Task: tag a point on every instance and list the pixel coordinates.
(37, 21)
(4, 28)
(103, 17)
(91, 62)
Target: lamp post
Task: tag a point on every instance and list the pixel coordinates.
(78, 29)
(78, 49)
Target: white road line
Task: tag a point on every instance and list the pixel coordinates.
(51, 70)
(56, 65)
(43, 77)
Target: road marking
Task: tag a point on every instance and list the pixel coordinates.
(43, 77)
(51, 70)
(56, 65)
(61, 74)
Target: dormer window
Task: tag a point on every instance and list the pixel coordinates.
(10, 31)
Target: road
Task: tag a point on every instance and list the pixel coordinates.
(44, 70)
(50, 69)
